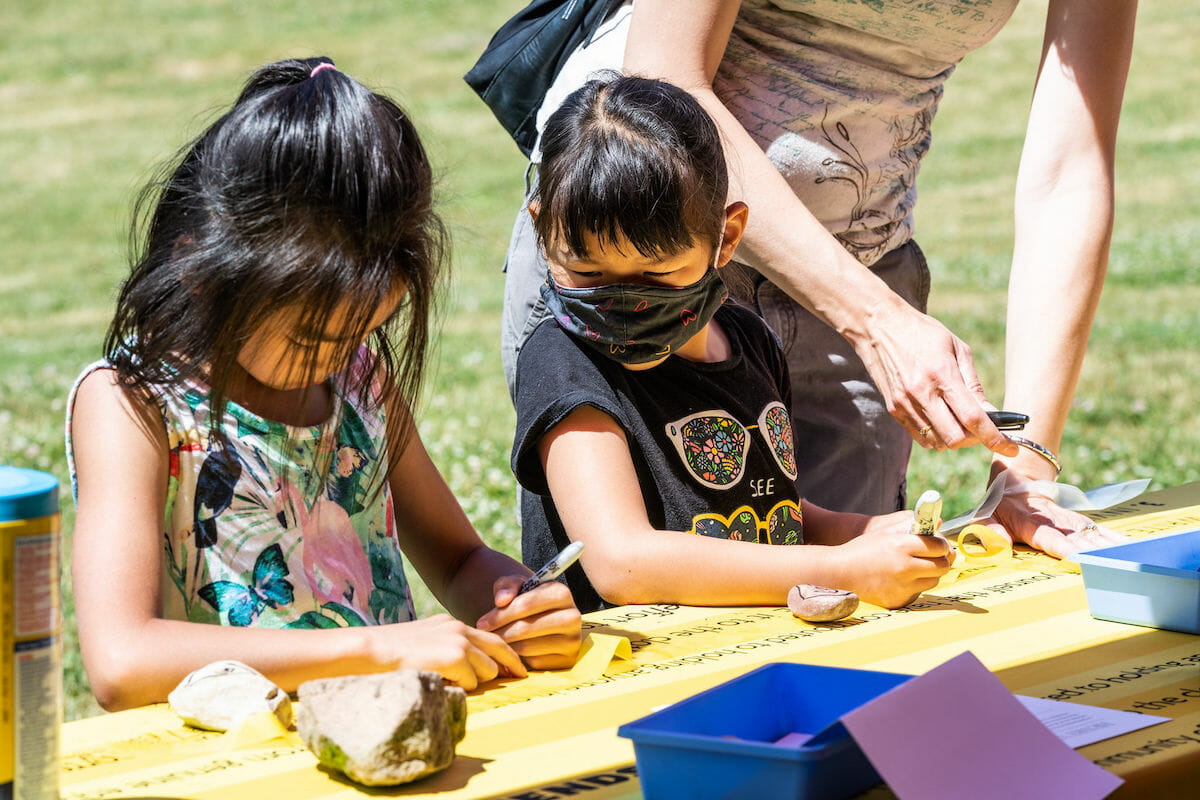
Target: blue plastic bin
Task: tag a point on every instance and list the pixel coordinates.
(1153, 582)
(720, 743)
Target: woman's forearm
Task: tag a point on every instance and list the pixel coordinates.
(1064, 213)
(785, 242)
(923, 372)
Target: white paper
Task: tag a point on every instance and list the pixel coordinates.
(1078, 725)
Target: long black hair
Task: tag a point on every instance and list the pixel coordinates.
(631, 157)
(312, 194)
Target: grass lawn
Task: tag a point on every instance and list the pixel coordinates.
(94, 95)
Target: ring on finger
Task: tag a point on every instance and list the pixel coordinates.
(925, 431)
(1090, 526)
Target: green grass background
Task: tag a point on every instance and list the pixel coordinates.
(94, 95)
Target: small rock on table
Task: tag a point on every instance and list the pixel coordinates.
(819, 604)
(219, 695)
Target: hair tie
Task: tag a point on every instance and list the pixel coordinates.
(321, 66)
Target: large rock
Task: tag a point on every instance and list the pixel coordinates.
(220, 695)
(383, 729)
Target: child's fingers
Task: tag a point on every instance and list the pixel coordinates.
(505, 589)
(547, 597)
(464, 673)
(496, 652)
(556, 622)
(555, 645)
(472, 667)
(551, 661)
(936, 567)
(931, 547)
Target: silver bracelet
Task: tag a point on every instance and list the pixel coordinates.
(1037, 448)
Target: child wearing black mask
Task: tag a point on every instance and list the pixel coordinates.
(652, 412)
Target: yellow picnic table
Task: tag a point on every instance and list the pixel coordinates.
(553, 735)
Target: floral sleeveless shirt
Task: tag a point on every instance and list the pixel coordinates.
(286, 527)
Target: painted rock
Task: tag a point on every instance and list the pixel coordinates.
(383, 729)
(818, 604)
(220, 695)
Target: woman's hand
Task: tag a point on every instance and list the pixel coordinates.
(1041, 523)
(542, 626)
(890, 566)
(463, 655)
(926, 376)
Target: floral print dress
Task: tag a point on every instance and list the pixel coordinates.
(287, 527)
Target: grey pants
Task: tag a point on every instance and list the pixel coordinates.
(851, 454)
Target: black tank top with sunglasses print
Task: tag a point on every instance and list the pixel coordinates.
(712, 443)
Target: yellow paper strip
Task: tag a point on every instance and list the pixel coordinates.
(259, 730)
(979, 544)
(596, 653)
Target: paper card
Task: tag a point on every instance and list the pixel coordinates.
(1078, 725)
(957, 732)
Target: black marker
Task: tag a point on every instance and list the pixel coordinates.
(555, 567)
(1008, 420)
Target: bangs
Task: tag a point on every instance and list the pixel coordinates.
(631, 159)
(625, 188)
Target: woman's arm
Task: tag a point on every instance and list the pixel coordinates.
(1064, 217)
(592, 479)
(925, 373)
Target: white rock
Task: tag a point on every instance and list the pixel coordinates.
(220, 695)
(383, 729)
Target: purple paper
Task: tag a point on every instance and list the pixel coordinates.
(957, 732)
(793, 739)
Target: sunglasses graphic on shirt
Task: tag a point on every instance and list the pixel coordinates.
(784, 525)
(714, 445)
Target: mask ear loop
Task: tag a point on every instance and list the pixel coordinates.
(717, 255)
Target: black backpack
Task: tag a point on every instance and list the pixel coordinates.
(525, 56)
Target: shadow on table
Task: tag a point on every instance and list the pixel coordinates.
(944, 604)
(451, 779)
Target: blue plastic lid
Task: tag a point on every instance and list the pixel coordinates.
(27, 494)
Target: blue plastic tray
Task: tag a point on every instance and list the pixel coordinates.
(720, 743)
(1153, 582)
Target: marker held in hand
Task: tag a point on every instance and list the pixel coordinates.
(553, 568)
(927, 517)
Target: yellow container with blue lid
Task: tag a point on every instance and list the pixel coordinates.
(30, 635)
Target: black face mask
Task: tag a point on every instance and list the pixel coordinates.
(632, 323)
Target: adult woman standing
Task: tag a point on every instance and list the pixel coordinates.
(825, 109)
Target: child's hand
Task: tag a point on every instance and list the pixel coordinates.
(890, 566)
(542, 625)
(463, 655)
